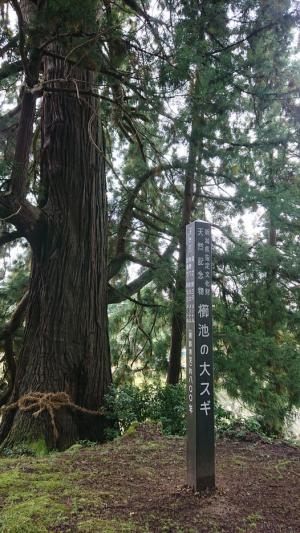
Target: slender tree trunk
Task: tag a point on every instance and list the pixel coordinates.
(273, 312)
(178, 313)
(271, 317)
(66, 339)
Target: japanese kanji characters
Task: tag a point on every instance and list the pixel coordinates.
(203, 310)
(205, 367)
(203, 330)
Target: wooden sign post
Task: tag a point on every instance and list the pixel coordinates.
(199, 363)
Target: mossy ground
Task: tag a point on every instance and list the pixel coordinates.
(136, 484)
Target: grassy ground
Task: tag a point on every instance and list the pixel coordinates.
(137, 484)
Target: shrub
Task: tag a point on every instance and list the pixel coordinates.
(166, 405)
(163, 404)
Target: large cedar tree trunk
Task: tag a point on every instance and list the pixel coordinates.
(66, 338)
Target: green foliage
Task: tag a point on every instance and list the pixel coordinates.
(30, 504)
(66, 15)
(87, 443)
(140, 336)
(170, 408)
(164, 404)
(246, 135)
(234, 106)
(31, 516)
(35, 448)
(230, 426)
(257, 353)
(13, 286)
(106, 526)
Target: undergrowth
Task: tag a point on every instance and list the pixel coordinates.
(166, 405)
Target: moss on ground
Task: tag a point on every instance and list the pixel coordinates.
(31, 515)
(36, 448)
(106, 526)
(39, 448)
(135, 485)
(28, 496)
(40, 493)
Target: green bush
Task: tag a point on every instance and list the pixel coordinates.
(166, 404)
(163, 404)
(169, 408)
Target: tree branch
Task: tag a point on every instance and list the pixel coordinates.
(124, 225)
(9, 123)
(7, 237)
(16, 319)
(133, 259)
(13, 205)
(23, 143)
(10, 114)
(248, 37)
(21, 25)
(8, 69)
(151, 224)
(119, 294)
(153, 215)
(6, 336)
(10, 373)
(24, 216)
(12, 43)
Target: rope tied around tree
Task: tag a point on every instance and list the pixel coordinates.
(38, 402)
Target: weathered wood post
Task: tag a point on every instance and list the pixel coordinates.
(199, 358)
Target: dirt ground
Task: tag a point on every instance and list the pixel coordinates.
(137, 484)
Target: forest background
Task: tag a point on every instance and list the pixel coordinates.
(188, 110)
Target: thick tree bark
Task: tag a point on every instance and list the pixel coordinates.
(66, 338)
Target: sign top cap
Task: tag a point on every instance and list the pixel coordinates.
(202, 222)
